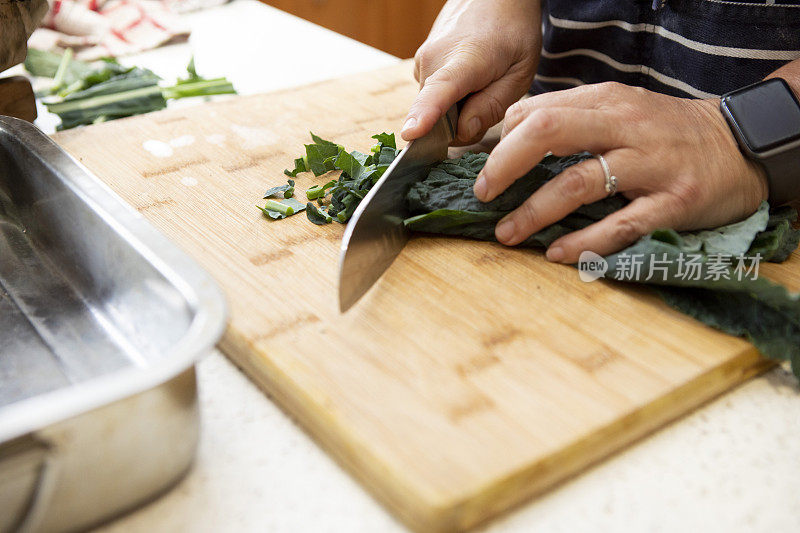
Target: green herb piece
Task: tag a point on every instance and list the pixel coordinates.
(319, 191)
(282, 209)
(191, 70)
(58, 79)
(300, 165)
(386, 139)
(284, 191)
(317, 216)
(349, 165)
(320, 156)
(199, 87)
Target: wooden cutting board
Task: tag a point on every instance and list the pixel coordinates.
(472, 376)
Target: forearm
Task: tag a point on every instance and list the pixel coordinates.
(18, 19)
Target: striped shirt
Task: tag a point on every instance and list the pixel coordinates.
(685, 48)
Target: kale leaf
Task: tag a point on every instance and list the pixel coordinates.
(283, 191)
(281, 209)
(317, 215)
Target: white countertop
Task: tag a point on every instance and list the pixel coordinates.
(733, 465)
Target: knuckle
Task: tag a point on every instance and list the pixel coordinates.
(516, 113)
(627, 230)
(445, 74)
(612, 87)
(613, 93)
(687, 193)
(544, 122)
(576, 183)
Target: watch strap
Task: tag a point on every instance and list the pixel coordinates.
(783, 176)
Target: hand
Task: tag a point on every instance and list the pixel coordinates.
(486, 47)
(675, 158)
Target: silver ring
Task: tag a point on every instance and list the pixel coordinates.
(611, 181)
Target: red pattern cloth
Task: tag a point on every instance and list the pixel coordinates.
(103, 28)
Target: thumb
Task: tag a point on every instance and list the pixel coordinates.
(440, 91)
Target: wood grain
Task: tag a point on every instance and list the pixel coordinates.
(472, 376)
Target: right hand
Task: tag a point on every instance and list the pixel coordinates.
(487, 48)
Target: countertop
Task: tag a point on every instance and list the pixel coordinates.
(732, 465)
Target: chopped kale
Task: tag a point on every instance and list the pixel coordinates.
(359, 172)
(318, 192)
(281, 209)
(317, 215)
(284, 191)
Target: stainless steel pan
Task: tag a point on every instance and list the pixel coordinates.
(101, 322)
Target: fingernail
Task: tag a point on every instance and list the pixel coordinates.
(504, 230)
(555, 254)
(481, 189)
(473, 127)
(410, 124)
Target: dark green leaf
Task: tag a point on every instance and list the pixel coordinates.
(317, 215)
(349, 165)
(386, 139)
(284, 191)
(299, 166)
(321, 141)
(316, 156)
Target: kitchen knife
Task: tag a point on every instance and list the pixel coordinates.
(376, 233)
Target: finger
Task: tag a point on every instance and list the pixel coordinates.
(559, 130)
(578, 185)
(439, 92)
(618, 230)
(593, 96)
(487, 107)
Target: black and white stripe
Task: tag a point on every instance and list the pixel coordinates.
(688, 48)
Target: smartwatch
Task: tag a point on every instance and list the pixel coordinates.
(765, 119)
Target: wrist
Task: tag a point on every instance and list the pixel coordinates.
(754, 172)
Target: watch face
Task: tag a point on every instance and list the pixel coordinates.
(766, 114)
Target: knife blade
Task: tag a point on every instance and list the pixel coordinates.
(376, 234)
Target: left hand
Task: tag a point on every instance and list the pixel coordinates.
(675, 158)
